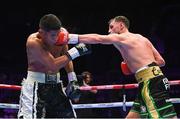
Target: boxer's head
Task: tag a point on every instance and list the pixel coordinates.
(123, 19)
(50, 22)
(118, 23)
(49, 28)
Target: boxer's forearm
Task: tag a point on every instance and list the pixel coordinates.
(95, 39)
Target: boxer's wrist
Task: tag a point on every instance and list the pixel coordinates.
(72, 53)
(72, 76)
(73, 39)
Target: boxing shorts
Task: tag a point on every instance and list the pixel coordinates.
(152, 100)
(42, 96)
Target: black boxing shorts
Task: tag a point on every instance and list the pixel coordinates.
(42, 97)
(153, 99)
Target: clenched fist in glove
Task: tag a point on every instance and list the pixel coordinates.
(79, 50)
(65, 38)
(73, 89)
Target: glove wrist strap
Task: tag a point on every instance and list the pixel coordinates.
(73, 53)
(72, 76)
(73, 39)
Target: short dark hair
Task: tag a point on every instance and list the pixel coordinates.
(85, 74)
(50, 22)
(123, 19)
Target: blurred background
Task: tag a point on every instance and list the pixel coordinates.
(159, 20)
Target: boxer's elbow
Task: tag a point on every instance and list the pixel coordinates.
(96, 39)
(103, 39)
(99, 40)
(56, 66)
(53, 68)
(161, 62)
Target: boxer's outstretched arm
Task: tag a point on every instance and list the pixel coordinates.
(66, 38)
(100, 39)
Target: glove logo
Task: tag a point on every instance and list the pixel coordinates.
(82, 46)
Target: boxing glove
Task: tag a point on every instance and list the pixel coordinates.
(79, 50)
(65, 38)
(125, 69)
(73, 90)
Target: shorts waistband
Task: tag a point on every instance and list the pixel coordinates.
(43, 77)
(148, 72)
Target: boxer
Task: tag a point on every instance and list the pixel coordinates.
(142, 59)
(42, 94)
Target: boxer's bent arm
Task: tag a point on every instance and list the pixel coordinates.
(158, 58)
(61, 61)
(69, 66)
(77, 51)
(45, 58)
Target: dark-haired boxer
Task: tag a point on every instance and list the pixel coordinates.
(42, 94)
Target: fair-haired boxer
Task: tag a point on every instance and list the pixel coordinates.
(42, 94)
(140, 58)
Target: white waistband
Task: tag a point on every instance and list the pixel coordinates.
(142, 68)
(41, 77)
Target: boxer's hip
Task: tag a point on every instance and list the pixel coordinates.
(148, 72)
(43, 77)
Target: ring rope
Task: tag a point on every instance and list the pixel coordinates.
(101, 87)
(97, 105)
(125, 86)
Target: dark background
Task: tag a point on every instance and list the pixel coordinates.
(159, 20)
